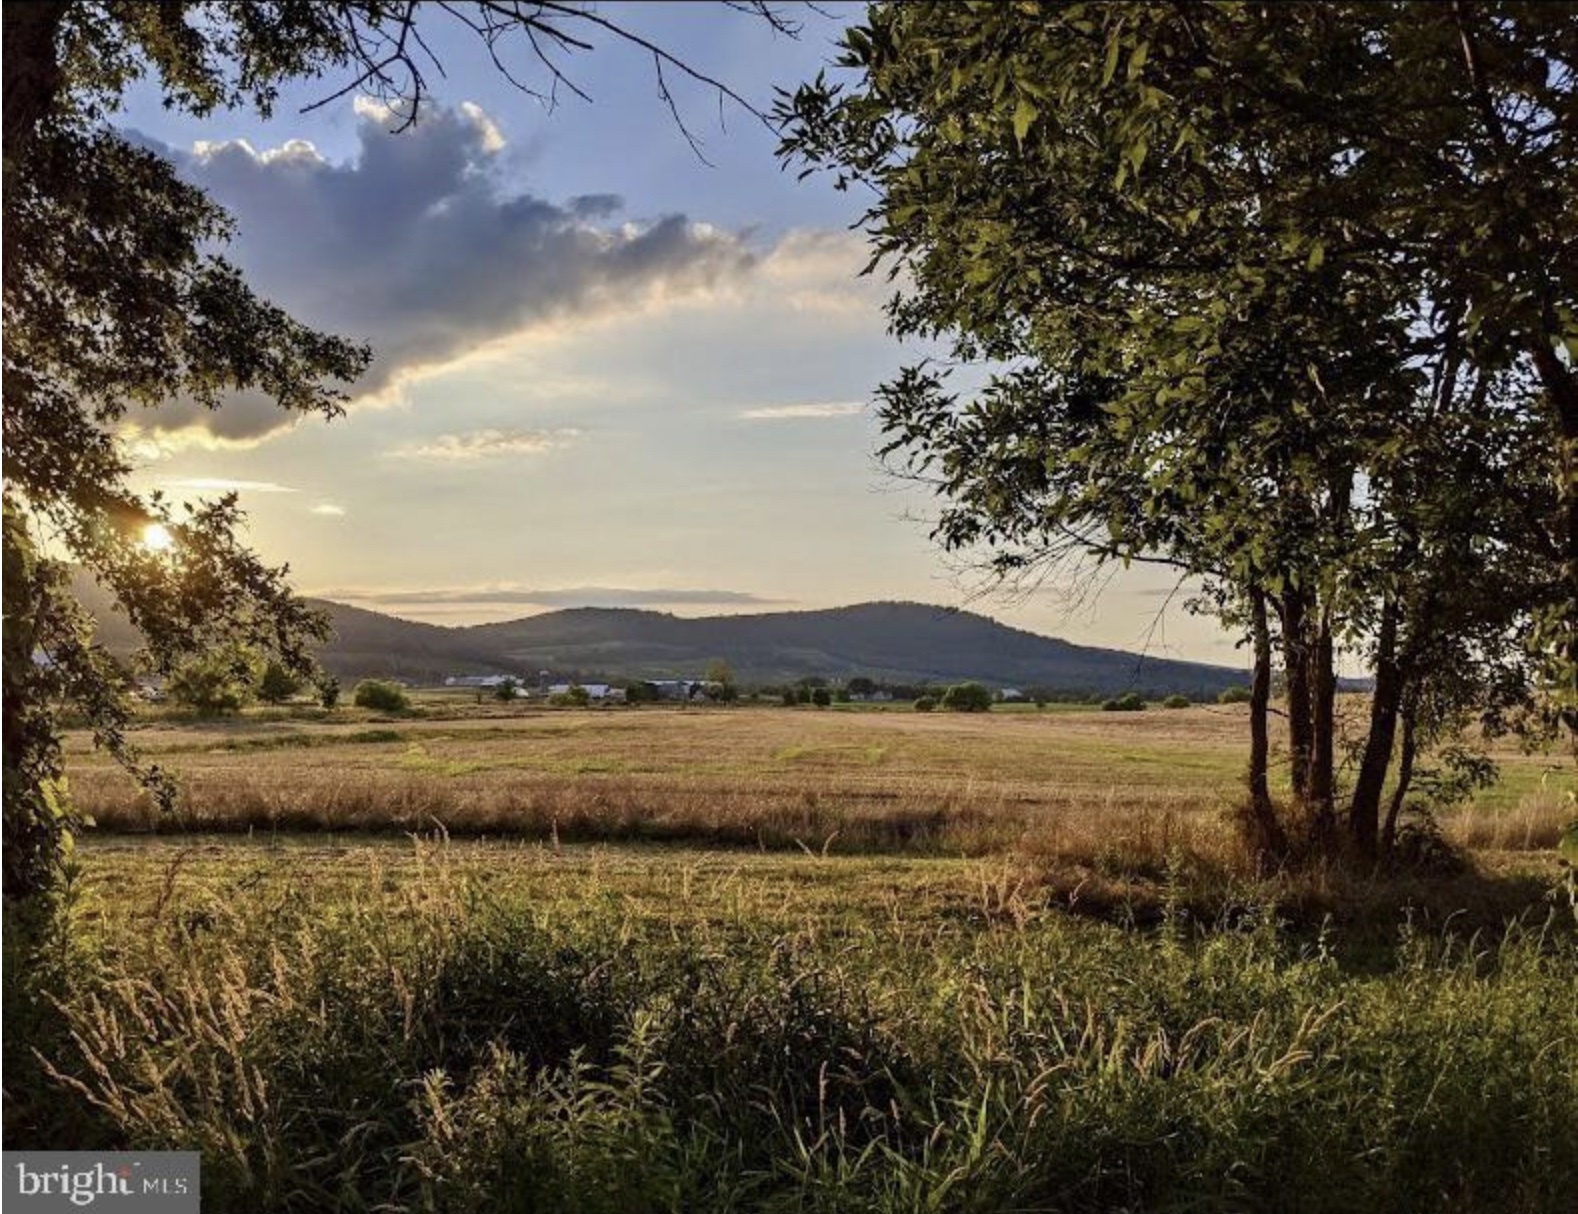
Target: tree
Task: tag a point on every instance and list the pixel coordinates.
(505, 690)
(821, 697)
(720, 682)
(1201, 243)
(380, 696)
(967, 697)
(115, 299)
(277, 683)
(212, 684)
(575, 696)
(640, 692)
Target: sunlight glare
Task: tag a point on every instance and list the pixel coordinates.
(156, 537)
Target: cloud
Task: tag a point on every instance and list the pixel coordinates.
(840, 408)
(220, 484)
(570, 596)
(489, 136)
(415, 247)
(328, 510)
(485, 444)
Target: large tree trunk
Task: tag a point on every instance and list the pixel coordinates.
(1405, 777)
(1323, 683)
(32, 70)
(1295, 662)
(1365, 809)
(1269, 841)
(1561, 387)
(1323, 730)
(36, 819)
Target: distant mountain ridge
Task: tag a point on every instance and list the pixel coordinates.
(895, 642)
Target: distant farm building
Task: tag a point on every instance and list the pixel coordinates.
(594, 691)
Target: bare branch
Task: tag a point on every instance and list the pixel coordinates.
(384, 44)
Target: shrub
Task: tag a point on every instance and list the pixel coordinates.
(791, 697)
(576, 697)
(505, 690)
(821, 697)
(641, 692)
(380, 696)
(925, 704)
(967, 697)
(328, 690)
(1130, 701)
(1176, 701)
(214, 683)
(1234, 695)
(277, 684)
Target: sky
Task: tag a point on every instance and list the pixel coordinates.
(609, 371)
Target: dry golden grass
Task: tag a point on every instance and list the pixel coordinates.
(754, 777)
(1532, 823)
(1114, 791)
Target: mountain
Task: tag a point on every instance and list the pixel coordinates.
(369, 644)
(895, 642)
(365, 644)
(908, 643)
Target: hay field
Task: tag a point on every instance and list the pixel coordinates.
(1083, 785)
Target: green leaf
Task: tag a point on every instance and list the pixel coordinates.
(1024, 114)
(1110, 68)
(1137, 59)
(1317, 255)
(1568, 847)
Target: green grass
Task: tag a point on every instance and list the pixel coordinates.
(499, 1027)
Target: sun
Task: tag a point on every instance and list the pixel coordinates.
(156, 537)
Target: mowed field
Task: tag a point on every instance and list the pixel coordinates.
(1050, 782)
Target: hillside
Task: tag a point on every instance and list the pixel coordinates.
(895, 642)
(365, 643)
(899, 642)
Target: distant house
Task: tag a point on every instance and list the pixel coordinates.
(594, 691)
(476, 680)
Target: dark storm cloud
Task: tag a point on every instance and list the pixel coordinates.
(414, 247)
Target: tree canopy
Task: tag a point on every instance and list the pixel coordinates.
(1283, 297)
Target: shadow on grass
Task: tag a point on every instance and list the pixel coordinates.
(1362, 918)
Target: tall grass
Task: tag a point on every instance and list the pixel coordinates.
(433, 1042)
